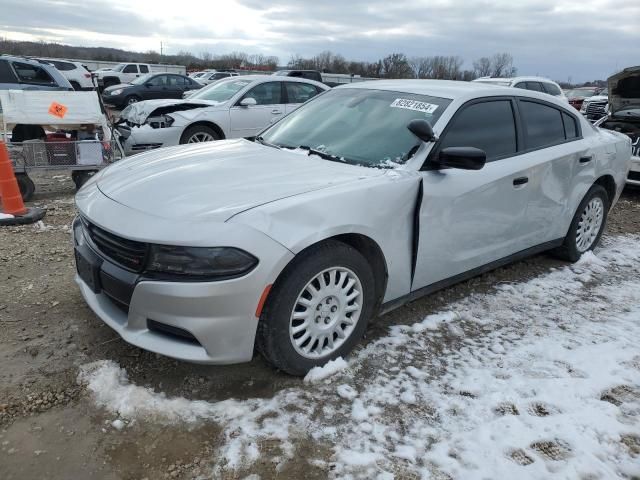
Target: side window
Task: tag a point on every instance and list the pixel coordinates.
(131, 68)
(551, 89)
(489, 126)
(521, 85)
(535, 86)
(543, 124)
(6, 75)
(266, 93)
(173, 80)
(32, 74)
(570, 126)
(63, 66)
(300, 92)
(144, 69)
(158, 81)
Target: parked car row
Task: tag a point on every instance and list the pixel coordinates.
(235, 107)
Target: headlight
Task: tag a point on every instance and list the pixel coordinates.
(217, 262)
(117, 91)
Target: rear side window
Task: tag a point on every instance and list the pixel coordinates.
(489, 126)
(543, 124)
(144, 69)
(32, 74)
(63, 66)
(535, 86)
(300, 92)
(551, 89)
(570, 126)
(130, 69)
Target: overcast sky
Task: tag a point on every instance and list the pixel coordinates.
(581, 39)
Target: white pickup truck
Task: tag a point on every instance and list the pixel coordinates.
(126, 72)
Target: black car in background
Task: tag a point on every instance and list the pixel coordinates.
(148, 87)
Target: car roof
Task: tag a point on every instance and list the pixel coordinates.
(514, 79)
(450, 89)
(271, 78)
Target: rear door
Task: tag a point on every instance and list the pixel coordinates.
(298, 93)
(175, 86)
(470, 218)
(560, 164)
(248, 121)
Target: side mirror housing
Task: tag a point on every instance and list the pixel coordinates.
(465, 158)
(422, 129)
(248, 102)
(148, 84)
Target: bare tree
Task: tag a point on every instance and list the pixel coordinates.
(482, 67)
(502, 65)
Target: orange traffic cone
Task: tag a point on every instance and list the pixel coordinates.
(13, 210)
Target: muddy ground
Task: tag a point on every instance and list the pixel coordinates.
(50, 428)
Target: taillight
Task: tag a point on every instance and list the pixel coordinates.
(87, 75)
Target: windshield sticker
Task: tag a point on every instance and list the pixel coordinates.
(407, 104)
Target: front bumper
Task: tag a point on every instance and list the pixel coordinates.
(141, 138)
(211, 322)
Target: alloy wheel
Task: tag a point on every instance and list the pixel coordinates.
(326, 312)
(589, 224)
(200, 137)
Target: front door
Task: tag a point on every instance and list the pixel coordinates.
(470, 218)
(248, 121)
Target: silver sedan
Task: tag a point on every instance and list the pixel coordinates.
(365, 198)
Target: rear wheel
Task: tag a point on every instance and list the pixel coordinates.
(587, 225)
(26, 186)
(318, 309)
(198, 134)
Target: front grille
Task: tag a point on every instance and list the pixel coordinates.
(139, 147)
(596, 108)
(127, 253)
(175, 333)
(635, 176)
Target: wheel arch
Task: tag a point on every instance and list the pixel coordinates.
(367, 247)
(207, 123)
(609, 184)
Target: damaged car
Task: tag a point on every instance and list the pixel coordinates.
(367, 197)
(624, 114)
(237, 107)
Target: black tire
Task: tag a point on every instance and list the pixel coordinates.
(569, 250)
(109, 82)
(199, 129)
(130, 100)
(26, 185)
(273, 340)
(80, 177)
(76, 86)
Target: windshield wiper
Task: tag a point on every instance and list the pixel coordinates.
(321, 154)
(262, 141)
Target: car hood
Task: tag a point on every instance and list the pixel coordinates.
(115, 87)
(216, 180)
(140, 111)
(624, 89)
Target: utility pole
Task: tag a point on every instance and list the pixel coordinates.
(160, 48)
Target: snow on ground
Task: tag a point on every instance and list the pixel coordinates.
(537, 379)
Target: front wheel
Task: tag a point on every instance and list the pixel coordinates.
(131, 99)
(318, 309)
(198, 134)
(587, 225)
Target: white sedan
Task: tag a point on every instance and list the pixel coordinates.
(238, 107)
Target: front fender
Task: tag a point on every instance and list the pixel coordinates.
(380, 208)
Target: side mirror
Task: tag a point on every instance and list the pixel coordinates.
(422, 129)
(465, 158)
(248, 102)
(148, 84)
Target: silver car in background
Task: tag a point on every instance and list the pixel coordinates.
(237, 107)
(365, 198)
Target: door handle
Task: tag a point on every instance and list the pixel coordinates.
(520, 181)
(586, 159)
(276, 112)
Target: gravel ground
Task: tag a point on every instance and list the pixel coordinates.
(50, 426)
